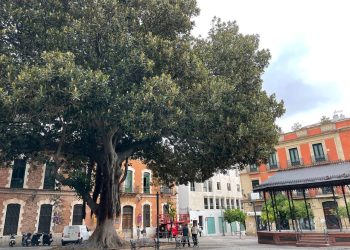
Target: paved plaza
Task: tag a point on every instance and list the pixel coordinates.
(218, 242)
(234, 242)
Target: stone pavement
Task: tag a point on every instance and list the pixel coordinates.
(234, 242)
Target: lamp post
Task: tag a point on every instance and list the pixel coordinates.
(157, 198)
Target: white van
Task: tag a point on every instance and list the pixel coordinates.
(75, 234)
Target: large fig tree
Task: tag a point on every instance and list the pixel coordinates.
(86, 85)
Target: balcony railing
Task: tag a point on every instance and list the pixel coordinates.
(296, 163)
(319, 159)
(166, 190)
(273, 165)
(129, 190)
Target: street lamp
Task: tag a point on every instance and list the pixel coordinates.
(157, 199)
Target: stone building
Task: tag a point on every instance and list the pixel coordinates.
(206, 202)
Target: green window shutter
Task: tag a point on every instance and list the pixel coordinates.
(146, 183)
(128, 182)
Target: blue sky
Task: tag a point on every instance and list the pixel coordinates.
(310, 46)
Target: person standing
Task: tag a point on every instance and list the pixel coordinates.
(185, 236)
(138, 231)
(194, 232)
(144, 233)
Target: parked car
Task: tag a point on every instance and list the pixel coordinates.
(75, 234)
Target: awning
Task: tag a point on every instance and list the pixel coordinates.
(335, 174)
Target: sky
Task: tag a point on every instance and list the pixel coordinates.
(309, 43)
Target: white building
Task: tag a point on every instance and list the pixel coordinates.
(206, 202)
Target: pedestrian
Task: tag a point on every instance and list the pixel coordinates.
(185, 236)
(194, 232)
(144, 232)
(200, 231)
(138, 231)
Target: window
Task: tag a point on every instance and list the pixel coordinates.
(192, 186)
(128, 182)
(228, 186)
(255, 183)
(45, 218)
(146, 215)
(299, 192)
(206, 203)
(218, 186)
(228, 203)
(211, 200)
(19, 168)
(237, 204)
(205, 186)
(49, 179)
(326, 190)
(294, 157)
(217, 201)
(146, 183)
(273, 161)
(237, 172)
(232, 203)
(253, 168)
(210, 186)
(238, 188)
(318, 152)
(223, 203)
(11, 219)
(77, 214)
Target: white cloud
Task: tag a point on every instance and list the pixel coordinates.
(320, 25)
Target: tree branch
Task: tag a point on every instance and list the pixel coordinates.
(126, 166)
(86, 196)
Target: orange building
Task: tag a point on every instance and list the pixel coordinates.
(318, 144)
(139, 204)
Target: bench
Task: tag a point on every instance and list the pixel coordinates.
(144, 242)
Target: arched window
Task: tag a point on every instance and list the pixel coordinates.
(146, 215)
(11, 220)
(45, 218)
(146, 183)
(77, 214)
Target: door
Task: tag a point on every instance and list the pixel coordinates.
(45, 218)
(211, 225)
(329, 208)
(127, 221)
(11, 219)
(234, 227)
(222, 225)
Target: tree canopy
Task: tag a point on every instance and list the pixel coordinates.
(89, 84)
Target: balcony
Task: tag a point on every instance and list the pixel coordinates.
(253, 168)
(319, 159)
(129, 190)
(273, 165)
(296, 163)
(166, 190)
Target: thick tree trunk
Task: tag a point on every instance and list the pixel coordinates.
(105, 235)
